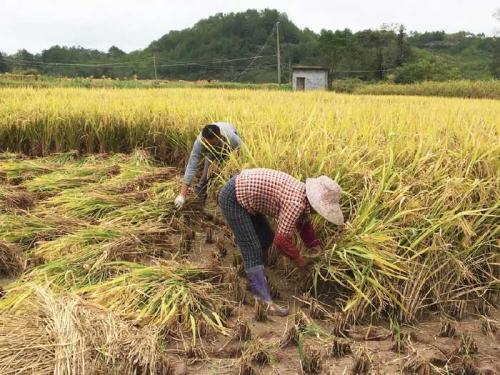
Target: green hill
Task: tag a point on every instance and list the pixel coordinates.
(241, 47)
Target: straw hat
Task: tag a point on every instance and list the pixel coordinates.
(324, 194)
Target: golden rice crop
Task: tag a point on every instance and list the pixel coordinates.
(420, 175)
(460, 88)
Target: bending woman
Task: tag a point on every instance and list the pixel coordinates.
(247, 198)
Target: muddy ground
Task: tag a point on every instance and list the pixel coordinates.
(424, 348)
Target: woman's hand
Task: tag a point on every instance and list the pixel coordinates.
(179, 201)
(314, 252)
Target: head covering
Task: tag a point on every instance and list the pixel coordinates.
(324, 195)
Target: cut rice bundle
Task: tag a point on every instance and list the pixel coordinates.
(27, 229)
(52, 334)
(172, 296)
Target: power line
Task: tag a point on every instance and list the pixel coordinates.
(35, 62)
(217, 61)
(213, 61)
(365, 71)
(131, 63)
(207, 64)
(258, 54)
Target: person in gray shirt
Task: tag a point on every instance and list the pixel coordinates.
(214, 143)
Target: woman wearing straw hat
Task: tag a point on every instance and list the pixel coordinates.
(248, 197)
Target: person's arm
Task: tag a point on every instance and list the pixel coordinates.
(285, 245)
(184, 190)
(234, 139)
(288, 217)
(192, 166)
(193, 163)
(306, 233)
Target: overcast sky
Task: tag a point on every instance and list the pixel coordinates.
(133, 24)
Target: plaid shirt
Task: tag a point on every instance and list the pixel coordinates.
(275, 194)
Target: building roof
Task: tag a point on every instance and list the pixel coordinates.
(310, 67)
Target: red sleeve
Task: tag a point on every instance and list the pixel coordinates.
(306, 232)
(285, 245)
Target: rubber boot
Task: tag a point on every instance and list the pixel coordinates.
(260, 289)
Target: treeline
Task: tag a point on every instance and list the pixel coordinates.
(241, 47)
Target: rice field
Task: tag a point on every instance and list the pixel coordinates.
(460, 88)
(89, 235)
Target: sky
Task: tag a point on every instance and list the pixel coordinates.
(132, 24)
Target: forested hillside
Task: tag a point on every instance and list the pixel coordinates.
(241, 47)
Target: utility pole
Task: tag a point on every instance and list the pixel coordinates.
(154, 65)
(278, 51)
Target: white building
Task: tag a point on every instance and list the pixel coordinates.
(310, 77)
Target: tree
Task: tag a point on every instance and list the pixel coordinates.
(115, 52)
(4, 67)
(495, 61)
(432, 69)
(334, 46)
(223, 47)
(379, 50)
(404, 50)
(24, 60)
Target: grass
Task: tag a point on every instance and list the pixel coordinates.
(486, 89)
(18, 81)
(481, 89)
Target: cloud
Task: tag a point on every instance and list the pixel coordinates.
(133, 24)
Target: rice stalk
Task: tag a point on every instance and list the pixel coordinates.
(12, 262)
(173, 297)
(52, 334)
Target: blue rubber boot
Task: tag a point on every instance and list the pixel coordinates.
(260, 289)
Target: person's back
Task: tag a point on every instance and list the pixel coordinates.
(213, 143)
(229, 133)
(268, 191)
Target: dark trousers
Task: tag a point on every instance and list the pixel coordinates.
(254, 236)
(202, 187)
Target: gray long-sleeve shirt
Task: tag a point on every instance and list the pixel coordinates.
(232, 141)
